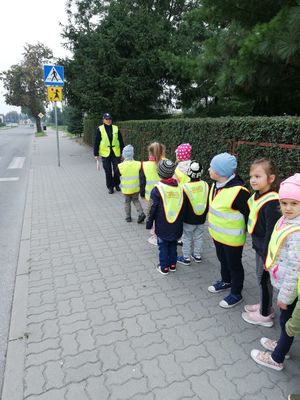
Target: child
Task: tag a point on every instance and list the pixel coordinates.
(264, 213)
(183, 158)
(166, 211)
(195, 198)
(149, 178)
(227, 219)
(130, 185)
(283, 262)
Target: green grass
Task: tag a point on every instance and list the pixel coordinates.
(40, 134)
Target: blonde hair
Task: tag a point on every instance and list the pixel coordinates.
(157, 150)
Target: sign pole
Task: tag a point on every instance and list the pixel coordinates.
(57, 137)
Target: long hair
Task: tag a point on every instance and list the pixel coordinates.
(157, 150)
(270, 169)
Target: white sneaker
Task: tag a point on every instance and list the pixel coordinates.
(265, 359)
(270, 345)
(255, 318)
(252, 307)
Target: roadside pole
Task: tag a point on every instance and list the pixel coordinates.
(57, 137)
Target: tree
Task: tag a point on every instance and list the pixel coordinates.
(12, 117)
(24, 81)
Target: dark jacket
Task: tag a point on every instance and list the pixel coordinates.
(163, 228)
(108, 129)
(268, 215)
(189, 216)
(240, 203)
(142, 182)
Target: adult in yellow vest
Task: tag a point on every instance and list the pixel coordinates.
(109, 145)
(167, 213)
(227, 218)
(130, 183)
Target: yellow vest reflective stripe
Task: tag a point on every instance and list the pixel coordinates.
(172, 198)
(277, 238)
(105, 146)
(181, 177)
(151, 175)
(197, 193)
(256, 205)
(130, 179)
(226, 225)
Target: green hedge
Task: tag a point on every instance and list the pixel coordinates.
(210, 136)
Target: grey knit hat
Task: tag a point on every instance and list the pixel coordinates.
(195, 170)
(128, 152)
(166, 169)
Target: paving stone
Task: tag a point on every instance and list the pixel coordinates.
(35, 380)
(96, 389)
(127, 390)
(175, 391)
(54, 375)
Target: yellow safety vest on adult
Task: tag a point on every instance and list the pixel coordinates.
(151, 175)
(280, 233)
(256, 205)
(197, 193)
(181, 177)
(172, 198)
(226, 225)
(130, 182)
(105, 146)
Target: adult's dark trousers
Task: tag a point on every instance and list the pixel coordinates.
(110, 165)
(232, 270)
(284, 343)
(167, 252)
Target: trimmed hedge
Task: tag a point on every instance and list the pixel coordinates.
(210, 136)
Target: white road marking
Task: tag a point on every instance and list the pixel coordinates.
(17, 163)
(9, 179)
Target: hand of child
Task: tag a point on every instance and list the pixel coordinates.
(282, 305)
(98, 165)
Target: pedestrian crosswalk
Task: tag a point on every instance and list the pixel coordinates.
(16, 163)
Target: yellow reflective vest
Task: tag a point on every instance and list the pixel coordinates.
(226, 225)
(172, 198)
(181, 177)
(130, 176)
(256, 205)
(105, 146)
(197, 193)
(151, 175)
(280, 232)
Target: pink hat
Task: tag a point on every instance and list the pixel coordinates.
(290, 188)
(184, 152)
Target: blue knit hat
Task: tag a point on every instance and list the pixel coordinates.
(224, 164)
(128, 152)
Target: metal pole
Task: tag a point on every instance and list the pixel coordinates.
(57, 138)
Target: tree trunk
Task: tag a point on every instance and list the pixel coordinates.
(38, 124)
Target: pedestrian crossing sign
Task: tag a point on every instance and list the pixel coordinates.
(54, 93)
(54, 75)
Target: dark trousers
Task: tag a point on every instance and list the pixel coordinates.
(110, 165)
(232, 270)
(265, 286)
(284, 343)
(167, 252)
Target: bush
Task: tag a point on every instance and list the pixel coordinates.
(210, 136)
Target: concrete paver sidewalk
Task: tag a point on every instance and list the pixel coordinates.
(101, 323)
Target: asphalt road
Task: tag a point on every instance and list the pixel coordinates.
(15, 158)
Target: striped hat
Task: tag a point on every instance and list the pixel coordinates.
(166, 169)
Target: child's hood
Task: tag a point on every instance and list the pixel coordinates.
(236, 181)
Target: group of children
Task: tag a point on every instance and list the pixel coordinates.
(178, 204)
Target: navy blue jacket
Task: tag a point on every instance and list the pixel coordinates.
(98, 139)
(163, 229)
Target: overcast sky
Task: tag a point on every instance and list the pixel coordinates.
(28, 21)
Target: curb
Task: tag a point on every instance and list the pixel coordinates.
(13, 382)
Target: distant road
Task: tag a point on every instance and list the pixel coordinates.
(15, 158)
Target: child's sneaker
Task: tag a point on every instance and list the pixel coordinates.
(196, 259)
(163, 271)
(255, 318)
(270, 345)
(141, 218)
(264, 358)
(128, 219)
(219, 287)
(183, 260)
(294, 397)
(173, 268)
(231, 300)
(179, 242)
(252, 307)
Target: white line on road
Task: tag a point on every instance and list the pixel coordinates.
(9, 179)
(17, 163)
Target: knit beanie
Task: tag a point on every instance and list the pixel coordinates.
(224, 164)
(127, 152)
(166, 169)
(184, 152)
(290, 188)
(195, 170)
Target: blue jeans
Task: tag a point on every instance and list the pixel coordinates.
(284, 343)
(167, 252)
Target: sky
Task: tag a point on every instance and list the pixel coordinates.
(28, 21)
